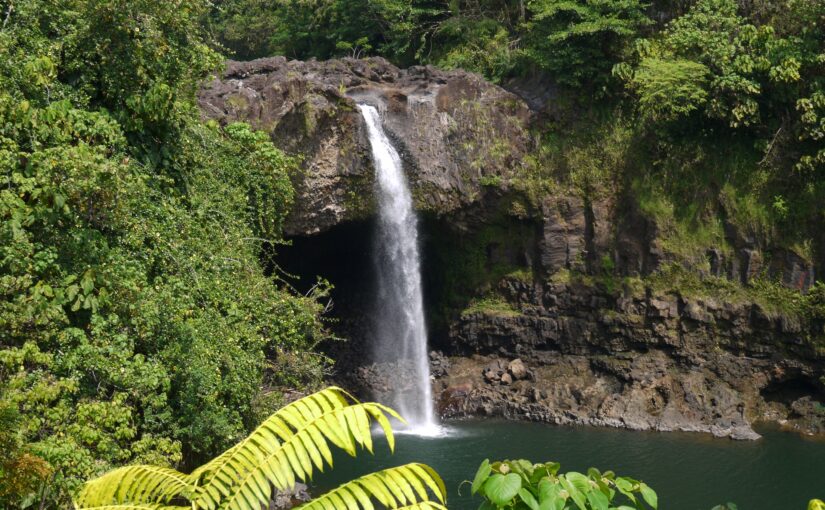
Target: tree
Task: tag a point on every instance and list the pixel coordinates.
(131, 236)
(670, 89)
(579, 41)
(291, 444)
(320, 29)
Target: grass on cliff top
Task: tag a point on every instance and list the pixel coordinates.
(774, 298)
(585, 158)
(686, 232)
(491, 305)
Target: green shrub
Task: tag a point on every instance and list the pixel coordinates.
(523, 484)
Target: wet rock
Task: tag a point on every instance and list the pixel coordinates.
(439, 364)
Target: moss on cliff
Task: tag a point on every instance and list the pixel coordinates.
(462, 265)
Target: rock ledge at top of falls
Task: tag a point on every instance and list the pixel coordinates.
(454, 130)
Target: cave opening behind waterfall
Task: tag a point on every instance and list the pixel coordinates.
(455, 266)
(341, 255)
(344, 256)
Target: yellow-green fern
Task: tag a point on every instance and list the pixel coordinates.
(288, 446)
(399, 487)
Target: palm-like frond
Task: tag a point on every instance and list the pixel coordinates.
(138, 486)
(281, 425)
(403, 487)
(139, 506)
(424, 505)
(244, 480)
(289, 445)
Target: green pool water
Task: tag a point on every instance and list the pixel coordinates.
(781, 471)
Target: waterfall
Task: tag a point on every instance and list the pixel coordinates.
(400, 330)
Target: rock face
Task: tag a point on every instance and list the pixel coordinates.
(284, 500)
(454, 130)
(610, 351)
(643, 361)
(557, 342)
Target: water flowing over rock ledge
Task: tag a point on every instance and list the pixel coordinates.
(452, 128)
(635, 358)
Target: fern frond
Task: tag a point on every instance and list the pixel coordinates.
(132, 506)
(246, 479)
(424, 505)
(399, 488)
(140, 484)
(281, 425)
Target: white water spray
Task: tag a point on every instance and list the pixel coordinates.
(401, 332)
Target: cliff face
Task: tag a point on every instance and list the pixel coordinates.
(595, 347)
(454, 130)
(631, 358)
(548, 307)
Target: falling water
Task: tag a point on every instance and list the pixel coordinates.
(400, 327)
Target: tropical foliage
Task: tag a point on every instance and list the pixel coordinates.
(142, 319)
(290, 445)
(695, 79)
(138, 321)
(523, 484)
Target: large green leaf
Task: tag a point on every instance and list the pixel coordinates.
(528, 498)
(138, 506)
(572, 489)
(625, 486)
(278, 427)
(289, 445)
(649, 496)
(483, 472)
(500, 489)
(249, 476)
(139, 484)
(548, 490)
(597, 500)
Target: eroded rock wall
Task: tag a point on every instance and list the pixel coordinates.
(607, 350)
(453, 129)
(529, 313)
(627, 359)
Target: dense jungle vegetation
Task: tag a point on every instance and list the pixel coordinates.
(138, 322)
(701, 109)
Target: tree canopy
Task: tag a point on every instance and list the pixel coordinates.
(131, 238)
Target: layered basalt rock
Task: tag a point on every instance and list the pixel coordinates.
(611, 351)
(587, 352)
(640, 361)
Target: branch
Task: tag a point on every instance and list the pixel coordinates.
(8, 15)
(770, 146)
